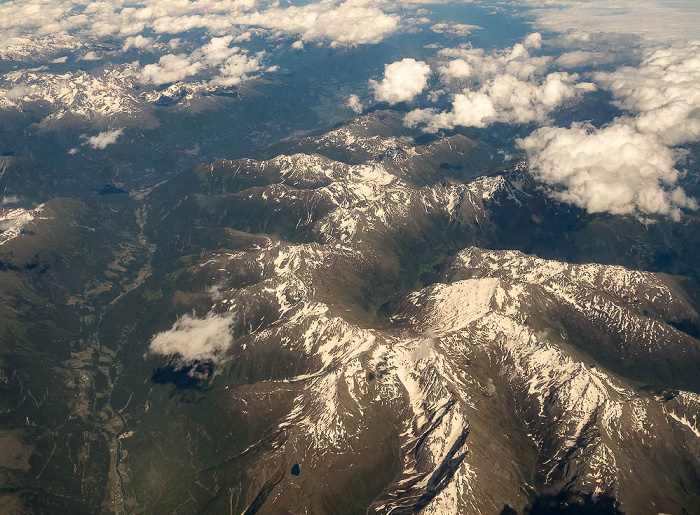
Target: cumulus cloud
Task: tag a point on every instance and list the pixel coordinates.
(533, 41)
(508, 86)
(170, 68)
(349, 23)
(516, 60)
(138, 42)
(455, 69)
(662, 94)
(103, 139)
(614, 169)
(237, 68)
(230, 64)
(194, 339)
(402, 81)
(119, 18)
(354, 104)
(628, 166)
(233, 63)
(90, 56)
(45, 27)
(454, 29)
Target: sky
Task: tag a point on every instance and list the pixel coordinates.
(109, 61)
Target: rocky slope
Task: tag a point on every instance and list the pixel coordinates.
(339, 329)
(476, 393)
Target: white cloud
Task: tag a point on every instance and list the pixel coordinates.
(349, 23)
(90, 56)
(579, 58)
(434, 96)
(402, 81)
(138, 42)
(454, 29)
(516, 61)
(662, 93)
(30, 23)
(470, 109)
(628, 166)
(216, 51)
(236, 69)
(103, 139)
(533, 41)
(196, 339)
(170, 68)
(508, 86)
(614, 169)
(652, 19)
(9, 199)
(455, 69)
(116, 18)
(232, 64)
(354, 104)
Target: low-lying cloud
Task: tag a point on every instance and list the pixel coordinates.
(354, 104)
(346, 23)
(508, 86)
(170, 68)
(104, 139)
(230, 64)
(629, 166)
(505, 99)
(614, 169)
(662, 94)
(194, 339)
(454, 29)
(402, 82)
(349, 22)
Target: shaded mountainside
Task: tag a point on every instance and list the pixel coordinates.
(391, 342)
(61, 265)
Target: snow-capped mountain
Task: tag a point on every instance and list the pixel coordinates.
(107, 96)
(476, 393)
(331, 330)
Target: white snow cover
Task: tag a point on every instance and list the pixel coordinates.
(419, 367)
(12, 221)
